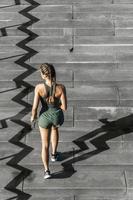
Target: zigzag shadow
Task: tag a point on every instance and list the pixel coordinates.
(6, 58)
(4, 91)
(7, 6)
(17, 2)
(4, 30)
(17, 119)
(110, 130)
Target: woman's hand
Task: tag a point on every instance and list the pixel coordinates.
(33, 122)
(32, 119)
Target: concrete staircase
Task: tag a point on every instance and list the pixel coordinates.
(90, 43)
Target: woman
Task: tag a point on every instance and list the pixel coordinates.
(54, 101)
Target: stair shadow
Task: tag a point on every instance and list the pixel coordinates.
(110, 130)
(8, 90)
(4, 30)
(20, 82)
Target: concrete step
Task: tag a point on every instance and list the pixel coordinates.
(77, 31)
(11, 41)
(79, 58)
(65, 196)
(90, 16)
(122, 57)
(54, 41)
(12, 22)
(117, 76)
(10, 60)
(9, 132)
(4, 194)
(96, 5)
(10, 66)
(126, 96)
(7, 2)
(75, 23)
(14, 49)
(93, 156)
(106, 77)
(64, 76)
(83, 50)
(13, 31)
(7, 96)
(112, 114)
(72, 197)
(82, 183)
(4, 76)
(85, 7)
(112, 8)
(7, 174)
(8, 150)
(72, 24)
(95, 40)
(12, 8)
(9, 112)
(11, 16)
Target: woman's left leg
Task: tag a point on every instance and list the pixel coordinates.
(54, 139)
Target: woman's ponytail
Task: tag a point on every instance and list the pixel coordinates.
(49, 71)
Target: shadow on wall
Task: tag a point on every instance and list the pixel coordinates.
(110, 130)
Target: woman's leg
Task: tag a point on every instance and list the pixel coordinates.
(45, 137)
(54, 139)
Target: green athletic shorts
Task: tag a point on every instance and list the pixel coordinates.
(51, 117)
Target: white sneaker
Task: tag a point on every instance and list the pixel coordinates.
(47, 174)
(54, 157)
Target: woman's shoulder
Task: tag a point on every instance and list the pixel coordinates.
(60, 85)
(38, 86)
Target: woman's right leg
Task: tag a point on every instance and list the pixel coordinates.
(45, 137)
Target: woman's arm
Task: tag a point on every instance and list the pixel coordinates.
(35, 104)
(63, 99)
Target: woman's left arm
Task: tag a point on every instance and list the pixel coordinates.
(35, 104)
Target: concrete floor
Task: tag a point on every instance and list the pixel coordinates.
(90, 44)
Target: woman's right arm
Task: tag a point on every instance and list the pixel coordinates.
(35, 103)
(63, 99)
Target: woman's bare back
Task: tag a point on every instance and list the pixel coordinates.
(43, 92)
(60, 93)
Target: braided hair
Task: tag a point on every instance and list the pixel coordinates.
(48, 70)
